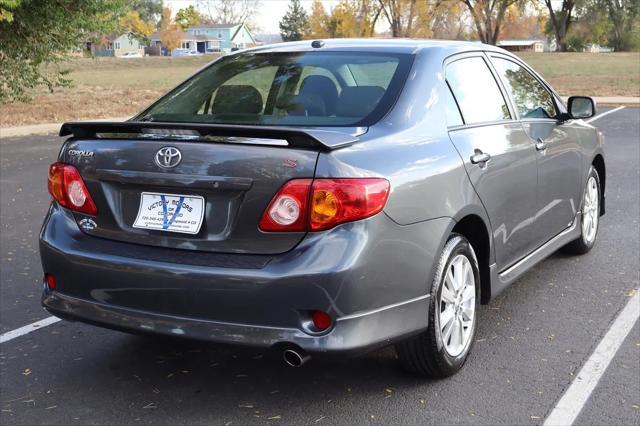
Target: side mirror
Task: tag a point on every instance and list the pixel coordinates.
(581, 107)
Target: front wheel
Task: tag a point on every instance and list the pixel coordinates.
(442, 349)
(589, 218)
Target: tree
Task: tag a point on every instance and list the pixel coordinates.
(560, 21)
(318, 21)
(149, 10)
(521, 23)
(187, 17)
(488, 16)
(34, 33)
(136, 27)
(355, 18)
(5, 9)
(410, 18)
(229, 11)
(450, 21)
(625, 20)
(169, 31)
(295, 23)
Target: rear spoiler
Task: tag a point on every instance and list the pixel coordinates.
(262, 135)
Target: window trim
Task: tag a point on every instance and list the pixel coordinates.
(455, 101)
(536, 77)
(480, 54)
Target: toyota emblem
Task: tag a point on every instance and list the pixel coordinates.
(168, 157)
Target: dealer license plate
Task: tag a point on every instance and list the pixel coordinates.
(170, 212)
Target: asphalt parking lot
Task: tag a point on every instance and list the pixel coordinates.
(532, 340)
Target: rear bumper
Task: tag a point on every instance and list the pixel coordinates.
(349, 334)
(370, 276)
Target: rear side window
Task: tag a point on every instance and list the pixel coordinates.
(531, 98)
(299, 88)
(476, 91)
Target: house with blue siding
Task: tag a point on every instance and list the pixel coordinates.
(229, 36)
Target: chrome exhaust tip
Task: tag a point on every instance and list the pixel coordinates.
(295, 357)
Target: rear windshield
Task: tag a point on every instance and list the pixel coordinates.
(304, 89)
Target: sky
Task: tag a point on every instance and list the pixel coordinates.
(268, 16)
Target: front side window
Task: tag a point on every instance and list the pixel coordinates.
(476, 91)
(304, 88)
(531, 98)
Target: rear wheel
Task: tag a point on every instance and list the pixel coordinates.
(442, 349)
(590, 217)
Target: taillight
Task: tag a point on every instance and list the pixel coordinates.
(335, 201)
(303, 204)
(68, 189)
(288, 209)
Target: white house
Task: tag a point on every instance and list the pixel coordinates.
(522, 45)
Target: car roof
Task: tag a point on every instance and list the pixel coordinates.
(395, 45)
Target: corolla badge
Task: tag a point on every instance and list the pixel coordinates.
(168, 157)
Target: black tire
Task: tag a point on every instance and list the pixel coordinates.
(582, 244)
(425, 354)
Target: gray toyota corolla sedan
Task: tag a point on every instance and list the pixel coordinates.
(324, 197)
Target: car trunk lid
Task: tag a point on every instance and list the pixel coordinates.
(228, 174)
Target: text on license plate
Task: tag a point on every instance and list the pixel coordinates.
(170, 212)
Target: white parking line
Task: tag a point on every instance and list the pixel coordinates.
(605, 113)
(10, 335)
(575, 397)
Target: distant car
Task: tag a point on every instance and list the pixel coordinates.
(185, 52)
(180, 52)
(322, 197)
(211, 50)
(128, 55)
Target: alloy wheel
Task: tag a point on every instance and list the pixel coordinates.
(457, 306)
(590, 211)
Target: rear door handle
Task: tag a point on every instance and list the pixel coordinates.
(541, 145)
(480, 157)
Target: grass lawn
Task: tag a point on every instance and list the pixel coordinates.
(111, 87)
(591, 74)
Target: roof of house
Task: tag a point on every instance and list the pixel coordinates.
(212, 26)
(183, 36)
(518, 42)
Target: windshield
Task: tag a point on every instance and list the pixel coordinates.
(303, 89)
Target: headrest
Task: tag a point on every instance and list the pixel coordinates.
(237, 99)
(322, 86)
(358, 101)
